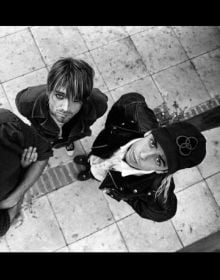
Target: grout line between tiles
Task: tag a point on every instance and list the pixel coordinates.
(192, 63)
(59, 226)
(177, 233)
(41, 55)
(25, 28)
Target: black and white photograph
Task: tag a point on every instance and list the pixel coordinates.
(110, 138)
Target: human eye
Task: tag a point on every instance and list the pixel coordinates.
(59, 96)
(158, 161)
(153, 142)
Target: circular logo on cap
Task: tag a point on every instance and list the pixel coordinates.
(186, 144)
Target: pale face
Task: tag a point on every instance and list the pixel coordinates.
(60, 107)
(146, 154)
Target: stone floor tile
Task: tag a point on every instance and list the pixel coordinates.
(135, 29)
(39, 230)
(144, 86)
(12, 87)
(186, 177)
(214, 185)
(198, 39)
(55, 42)
(4, 102)
(181, 87)
(63, 250)
(6, 30)
(98, 80)
(119, 209)
(96, 36)
(3, 245)
(106, 240)
(142, 235)
(159, 48)
(197, 214)
(19, 55)
(208, 67)
(211, 164)
(119, 63)
(80, 209)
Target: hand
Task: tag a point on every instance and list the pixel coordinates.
(29, 156)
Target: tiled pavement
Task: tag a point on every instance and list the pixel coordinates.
(165, 64)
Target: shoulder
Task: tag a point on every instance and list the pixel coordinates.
(7, 116)
(26, 98)
(97, 103)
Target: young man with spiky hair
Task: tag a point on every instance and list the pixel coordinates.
(63, 110)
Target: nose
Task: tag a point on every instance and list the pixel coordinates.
(145, 155)
(65, 104)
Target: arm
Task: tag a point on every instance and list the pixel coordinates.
(30, 177)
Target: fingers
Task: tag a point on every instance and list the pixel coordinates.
(30, 154)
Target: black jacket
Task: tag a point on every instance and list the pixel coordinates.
(32, 103)
(130, 118)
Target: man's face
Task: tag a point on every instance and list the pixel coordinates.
(60, 107)
(147, 154)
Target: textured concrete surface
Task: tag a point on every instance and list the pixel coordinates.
(164, 63)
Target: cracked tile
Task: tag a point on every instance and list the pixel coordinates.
(186, 177)
(119, 209)
(213, 183)
(198, 39)
(4, 103)
(105, 240)
(98, 80)
(135, 29)
(96, 36)
(144, 86)
(38, 232)
(119, 63)
(19, 55)
(7, 30)
(208, 67)
(55, 42)
(197, 214)
(211, 163)
(181, 87)
(159, 48)
(12, 87)
(3, 245)
(80, 209)
(142, 235)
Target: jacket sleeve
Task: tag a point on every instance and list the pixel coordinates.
(155, 209)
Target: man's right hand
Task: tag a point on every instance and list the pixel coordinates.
(29, 156)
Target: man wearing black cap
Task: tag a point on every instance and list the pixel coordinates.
(24, 155)
(134, 158)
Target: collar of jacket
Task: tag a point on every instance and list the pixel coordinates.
(41, 111)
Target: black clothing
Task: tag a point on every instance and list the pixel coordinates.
(130, 118)
(32, 103)
(15, 136)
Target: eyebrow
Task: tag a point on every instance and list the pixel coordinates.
(60, 92)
